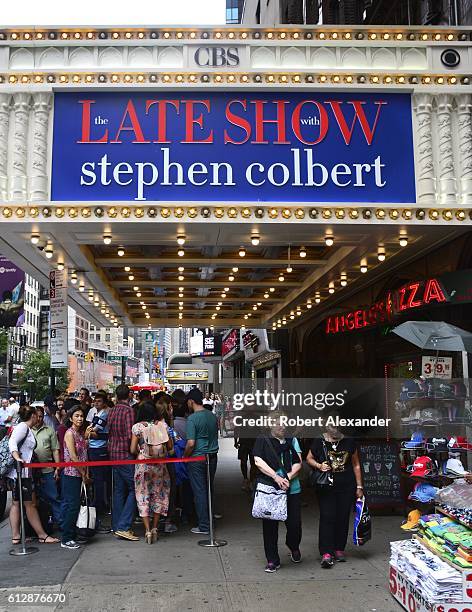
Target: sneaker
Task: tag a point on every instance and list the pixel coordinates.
(170, 528)
(126, 535)
(271, 568)
(296, 556)
(327, 561)
(71, 545)
(340, 556)
(199, 531)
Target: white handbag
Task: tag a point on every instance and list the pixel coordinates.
(87, 517)
(269, 503)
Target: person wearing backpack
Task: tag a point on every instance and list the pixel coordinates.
(150, 440)
(22, 444)
(279, 461)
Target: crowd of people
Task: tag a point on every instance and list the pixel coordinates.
(80, 429)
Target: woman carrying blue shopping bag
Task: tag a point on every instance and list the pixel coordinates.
(279, 462)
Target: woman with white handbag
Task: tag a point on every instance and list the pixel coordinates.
(75, 449)
(277, 493)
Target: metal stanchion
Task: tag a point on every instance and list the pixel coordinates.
(24, 550)
(211, 543)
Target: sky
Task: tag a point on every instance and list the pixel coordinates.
(112, 13)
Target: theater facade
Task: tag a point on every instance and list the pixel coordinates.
(233, 176)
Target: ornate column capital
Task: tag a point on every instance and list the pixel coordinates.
(423, 102)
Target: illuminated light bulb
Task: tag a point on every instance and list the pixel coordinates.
(49, 250)
(139, 294)
(231, 278)
(281, 278)
(329, 240)
(131, 277)
(399, 36)
(90, 297)
(181, 269)
(60, 265)
(181, 295)
(331, 287)
(135, 288)
(107, 238)
(272, 289)
(120, 252)
(255, 240)
(181, 239)
(343, 280)
(73, 278)
(181, 289)
(35, 238)
(363, 267)
(223, 295)
(302, 252)
(127, 269)
(180, 252)
(181, 278)
(235, 269)
(143, 307)
(403, 240)
(242, 252)
(381, 255)
(289, 268)
(266, 295)
(226, 289)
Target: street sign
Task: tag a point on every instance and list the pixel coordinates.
(59, 348)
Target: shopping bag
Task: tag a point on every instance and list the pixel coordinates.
(269, 503)
(87, 517)
(362, 523)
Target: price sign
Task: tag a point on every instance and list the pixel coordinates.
(467, 586)
(406, 594)
(453, 607)
(436, 367)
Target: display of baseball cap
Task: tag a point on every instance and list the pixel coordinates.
(423, 466)
(463, 443)
(437, 444)
(423, 492)
(430, 416)
(455, 467)
(412, 521)
(415, 441)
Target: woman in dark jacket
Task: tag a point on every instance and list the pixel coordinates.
(338, 455)
(279, 462)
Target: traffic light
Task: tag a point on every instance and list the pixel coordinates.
(155, 351)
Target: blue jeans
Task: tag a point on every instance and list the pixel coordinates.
(197, 472)
(48, 493)
(124, 499)
(101, 478)
(70, 505)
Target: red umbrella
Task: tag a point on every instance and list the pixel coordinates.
(148, 386)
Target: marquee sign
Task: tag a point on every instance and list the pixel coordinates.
(213, 146)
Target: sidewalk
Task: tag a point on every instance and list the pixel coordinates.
(178, 575)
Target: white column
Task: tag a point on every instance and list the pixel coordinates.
(424, 149)
(5, 100)
(38, 181)
(464, 116)
(19, 146)
(447, 179)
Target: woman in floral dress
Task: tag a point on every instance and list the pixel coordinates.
(150, 440)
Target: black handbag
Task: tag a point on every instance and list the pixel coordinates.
(319, 479)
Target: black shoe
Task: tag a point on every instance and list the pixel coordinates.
(103, 529)
(296, 556)
(327, 561)
(81, 540)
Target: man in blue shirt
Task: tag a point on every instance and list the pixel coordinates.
(98, 451)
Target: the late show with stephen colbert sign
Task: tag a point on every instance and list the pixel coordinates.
(207, 146)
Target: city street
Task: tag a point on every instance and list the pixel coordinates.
(177, 574)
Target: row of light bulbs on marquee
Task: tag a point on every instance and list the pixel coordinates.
(237, 78)
(343, 281)
(75, 280)
(246, 212)
(232, 34)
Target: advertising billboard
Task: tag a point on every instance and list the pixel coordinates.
(12, 294)
(217, 146)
